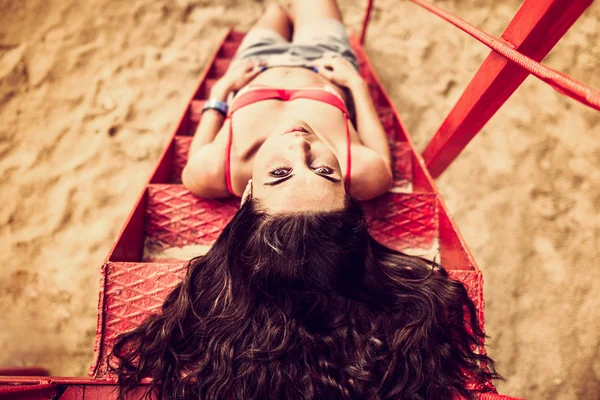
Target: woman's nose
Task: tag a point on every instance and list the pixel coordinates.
(299, 144)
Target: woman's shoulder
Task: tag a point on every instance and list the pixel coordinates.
(370, 174)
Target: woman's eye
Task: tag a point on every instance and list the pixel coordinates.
(325, 170)
(280, 171)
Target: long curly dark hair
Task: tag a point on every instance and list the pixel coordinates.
(307, 306)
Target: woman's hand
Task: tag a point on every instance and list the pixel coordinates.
(338, 70)
(238, 75)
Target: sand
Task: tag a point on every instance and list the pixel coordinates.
(90, 91)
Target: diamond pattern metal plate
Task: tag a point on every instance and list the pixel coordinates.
(132, 291)
(175, 217)
(402, 220)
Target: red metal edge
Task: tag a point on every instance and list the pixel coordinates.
(24, 371)
(129, 244)
(162, 171)
(366, 19)
(42, 380)
(29, 392)
(494, 396)
(99, 323)
(64, 388)
(422, 181)
(453, 249)
(94, 389)
(476, 284)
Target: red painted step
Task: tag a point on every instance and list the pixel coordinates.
(179, 225)
(195, 114)
(218, 68)
(204, 92)
(228, 49)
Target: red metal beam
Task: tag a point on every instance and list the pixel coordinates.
(534, 31)
(24, 371)
(366, 19)
(29, 392)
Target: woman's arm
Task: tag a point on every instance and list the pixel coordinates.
(211, 121)
(204, 173)
(370, 130)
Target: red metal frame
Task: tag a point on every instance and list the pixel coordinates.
(557, 80)
(24, 371)
(534, 31)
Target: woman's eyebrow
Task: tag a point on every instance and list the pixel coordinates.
(330, 178)
(277, 182)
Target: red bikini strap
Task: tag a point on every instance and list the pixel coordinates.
(228, 155)
(348, 157)
(253, 96)
(321, 95)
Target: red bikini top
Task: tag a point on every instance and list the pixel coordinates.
(267, 93)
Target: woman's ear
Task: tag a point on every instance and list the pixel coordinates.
(247, 192)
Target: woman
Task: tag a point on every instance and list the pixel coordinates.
(308, 305)
(290, 119)
(295, 300)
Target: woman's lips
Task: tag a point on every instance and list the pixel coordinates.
(296, 129)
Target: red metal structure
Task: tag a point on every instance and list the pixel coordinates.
(532, 33)
(148, 257)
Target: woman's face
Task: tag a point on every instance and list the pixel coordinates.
(294, 170)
